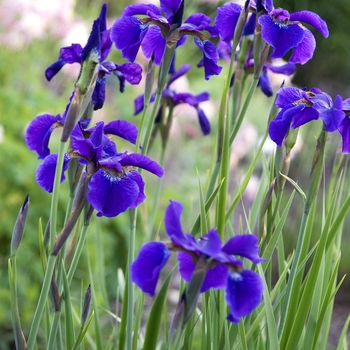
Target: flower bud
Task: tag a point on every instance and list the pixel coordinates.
(18, 229)
(86, 306)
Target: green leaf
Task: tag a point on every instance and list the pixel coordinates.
(155, 316)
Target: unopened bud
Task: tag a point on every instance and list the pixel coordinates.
(86, 306)
(18, 229)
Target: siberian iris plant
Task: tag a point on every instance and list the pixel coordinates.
(299, 107)
(161, 27)
(243, 287)
(114, 184)
(171, 98)
(283, 31)
(100, 43)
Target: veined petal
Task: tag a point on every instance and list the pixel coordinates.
(279, 127)
(210, 243)
(45, 173)
(304, 51)
(282, 37)
(132, 72)
(111, 194)
(304, 116)
(140, 9)
(226, 20)
(141, 161)
(145, 270)
(69, 54)
(39, 131)
(154, 43)
(172, 219)
(331, 113)
(244, 291)
(127, 34)
(286, 96)
(245, 245)
(199, 21)
(106, 44)
(313, 19)
(170, 7)
(123, 129)
(136, 176)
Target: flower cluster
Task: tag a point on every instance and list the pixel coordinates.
(299, 107)
(100, 45)
(243, 287)
(161, 27)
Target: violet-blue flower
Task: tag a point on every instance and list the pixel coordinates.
(284, 31)
(114, 185)
(100, 43)
(299, 107)
(173, 98)
(243, 287)
(151, 32)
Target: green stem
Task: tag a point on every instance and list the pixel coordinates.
(157, 192)
(55, 193)
(53, 331)
(131, 253)
(41, 302)
(151, 122)
(77, 253)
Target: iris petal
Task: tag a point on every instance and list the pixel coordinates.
(111, 194)
(243, 293)
(146, 268)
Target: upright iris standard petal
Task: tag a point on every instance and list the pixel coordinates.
(244, 291)
(146, 268)
(45, 173)
(127, 34)
(39, 131)
(111, 194)
(226, 20)
(132, 72)
(245, 245)
(153, 44)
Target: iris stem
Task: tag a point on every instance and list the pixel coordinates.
(131, 253)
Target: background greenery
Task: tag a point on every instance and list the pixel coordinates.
(25, 93)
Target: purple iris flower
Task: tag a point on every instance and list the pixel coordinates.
(244, 288)
(114, 185)
(284, 31)
(344, 127)
(100, 44)
(299, 107)
(173, 99)
(151, 32)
